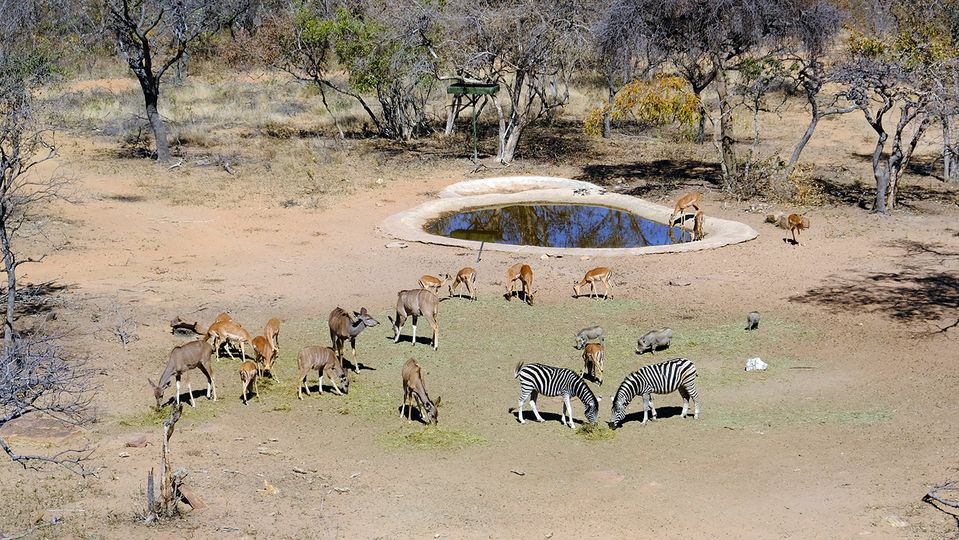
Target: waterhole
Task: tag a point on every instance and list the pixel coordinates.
(556, 225)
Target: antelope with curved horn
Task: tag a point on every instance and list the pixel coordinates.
(343, 327)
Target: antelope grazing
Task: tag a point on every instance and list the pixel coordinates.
(265, 355)
(416, 303)
(325, 361)
(272, 333)
(698, 223)
(229, 332)
(797, 223)
(343, 327)
(434, 283)
(414, 388)
(248, 374)
(684, 202)
(524, 274)
(195, 354)
(593, 359)
(601, 274)
(466, 276)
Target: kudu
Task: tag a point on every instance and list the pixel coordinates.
(415, 389)
(343, 327)
(416, 303)
(183, 358)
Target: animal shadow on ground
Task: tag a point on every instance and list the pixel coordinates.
(528, 415)
(519, 295)
(592, 379)
(416, 416)
(360, 366)
(922, 290)
(656, 349)
(420, 339)
(661, 413)
(326, 388)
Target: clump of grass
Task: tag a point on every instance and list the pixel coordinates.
(434, 437)
(152, 416)
(595, 432)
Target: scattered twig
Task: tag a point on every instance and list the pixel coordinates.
(339, 490)
(177, 164)
(517, 473)
(27, 532)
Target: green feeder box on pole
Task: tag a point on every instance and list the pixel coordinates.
(473, 93)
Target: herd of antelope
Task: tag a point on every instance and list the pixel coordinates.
(330, 362)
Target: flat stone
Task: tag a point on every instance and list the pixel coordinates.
(38, 429)
(137, 441)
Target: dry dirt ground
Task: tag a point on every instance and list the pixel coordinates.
(854, 421)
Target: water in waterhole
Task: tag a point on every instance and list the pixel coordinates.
(558, 226)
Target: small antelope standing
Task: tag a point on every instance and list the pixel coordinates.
(183, 358)
(601, 274)
(272, 333)
(223, 317)
(228, 331)
(797, 223)
(524, 274)
(343, 327)
(684, 202)
(434, 283)
(593, 361)
(248, 374)
(676, 374)
(325, 361)
(535, 379)
(416, 303)
(415, 389)
(698, 223)
(265, 355)
(466, 276)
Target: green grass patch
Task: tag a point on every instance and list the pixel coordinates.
(432, 437)
(151, 416)
(595, 432)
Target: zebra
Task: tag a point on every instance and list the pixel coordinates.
(535, 379)
(676, 374)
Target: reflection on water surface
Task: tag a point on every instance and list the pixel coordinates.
(556, 225)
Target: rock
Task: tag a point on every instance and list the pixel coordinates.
(897, 522)
(397, 245)
(137, 441)
(755, 364)
(191, 498)
(585, 258)
(124, 454)
(544, 256)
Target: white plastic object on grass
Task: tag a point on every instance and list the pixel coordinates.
(755, 364)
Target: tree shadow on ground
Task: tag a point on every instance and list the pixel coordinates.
(862, 195)
(37, 298)
(657, 176)
(921, 291)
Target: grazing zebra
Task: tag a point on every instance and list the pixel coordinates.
(535, 379)
(676, 374)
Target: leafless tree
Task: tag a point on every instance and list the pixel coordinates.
(623, 50)
(529, 49)
(153, 36)
(813, 31)
(38, 377)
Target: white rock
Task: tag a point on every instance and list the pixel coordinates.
(755, 364)
(397, 245)
(897, 522)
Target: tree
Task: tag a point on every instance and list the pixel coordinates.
(152, 36)
(35, 374)
(529, 49)
(383, 47)
(623, 52)
(891, 74)
(811, 36)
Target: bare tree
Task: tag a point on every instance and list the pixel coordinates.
(623, 50)
(529, 49)
(813, 32)
(38, 377)
(152, 36)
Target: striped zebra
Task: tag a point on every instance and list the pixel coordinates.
(535, 379)
(676, 374)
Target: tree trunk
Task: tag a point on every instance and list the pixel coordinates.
(881, 174)
(700, 136)
(608, 113)
(726, 140)
(950, 157)
(10, 267)
(902, 161)
(801, 145)
(151, 96)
